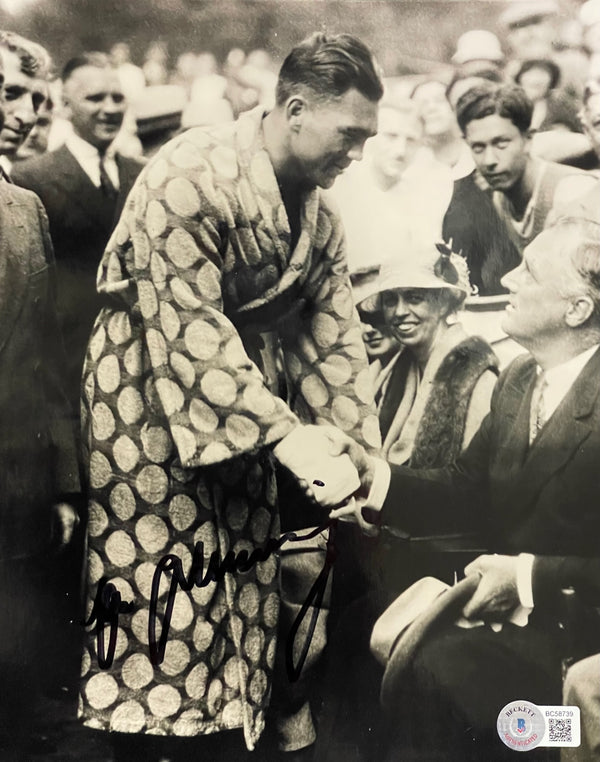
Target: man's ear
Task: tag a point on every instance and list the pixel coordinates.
(295, 109)
(579, 311)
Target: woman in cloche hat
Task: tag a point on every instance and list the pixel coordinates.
(440, 385)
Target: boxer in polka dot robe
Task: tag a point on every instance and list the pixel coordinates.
(215, 270)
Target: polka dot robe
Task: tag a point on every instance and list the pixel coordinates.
(179, 413)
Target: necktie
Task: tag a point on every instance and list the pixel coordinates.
(106, 183)
(538, 412)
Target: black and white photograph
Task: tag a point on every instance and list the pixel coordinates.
(299, 380)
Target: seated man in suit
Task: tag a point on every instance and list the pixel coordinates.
(83, 187)
(529, 481)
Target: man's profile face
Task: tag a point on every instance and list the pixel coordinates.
(23, 96)
(591, 121)
(95, 104)
(397, 141)
(537, 301)
(326, 137)
(500, 150)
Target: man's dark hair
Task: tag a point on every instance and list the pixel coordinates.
(94, 58)
(508, 101)
(34, 59)
(329, 66)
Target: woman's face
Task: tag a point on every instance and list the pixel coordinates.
(414, 315)
(536, 83)
(434, 108)
(376, 337)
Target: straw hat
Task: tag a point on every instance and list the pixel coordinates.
(478, 45)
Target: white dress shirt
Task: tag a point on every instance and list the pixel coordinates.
(88, 158)
(559, 381)
(6, 165)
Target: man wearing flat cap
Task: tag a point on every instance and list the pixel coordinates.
(529, 483)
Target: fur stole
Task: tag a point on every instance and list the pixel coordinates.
(441, 430)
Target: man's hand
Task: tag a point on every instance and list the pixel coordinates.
(328, 477)
(496, 595)
(64, 520)
(342, 444)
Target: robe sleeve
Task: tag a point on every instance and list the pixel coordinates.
(166, 252)
(325, 356)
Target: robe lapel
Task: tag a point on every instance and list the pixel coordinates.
(14, 273)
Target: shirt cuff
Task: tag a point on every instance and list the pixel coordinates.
(380, 484)
(525, 579)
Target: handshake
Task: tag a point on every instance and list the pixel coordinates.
(332, 468)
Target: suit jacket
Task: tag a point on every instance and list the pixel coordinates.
(543, 499)
(38, 462)
(81, 222)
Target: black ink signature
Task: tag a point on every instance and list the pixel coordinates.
(105, 611)
(108, 604)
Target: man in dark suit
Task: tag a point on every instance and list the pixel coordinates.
(83, 186)
(39, 479)
(529, 482)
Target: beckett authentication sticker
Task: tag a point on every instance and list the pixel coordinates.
(523, 726)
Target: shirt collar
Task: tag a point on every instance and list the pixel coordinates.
(6, 164)
(561, 378)
(569, 369)
(81, 149)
